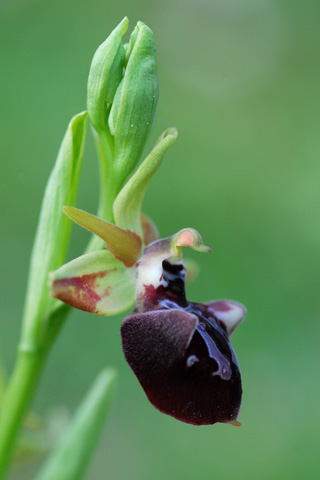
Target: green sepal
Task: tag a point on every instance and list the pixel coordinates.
(54, 229)
(127, 206)
(123, 244)
(135, 102)
(70, 458)
(105, 76)
(96, 283)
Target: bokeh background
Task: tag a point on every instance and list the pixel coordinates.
(241, 81)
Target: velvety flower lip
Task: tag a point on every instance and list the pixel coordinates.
(180, 350)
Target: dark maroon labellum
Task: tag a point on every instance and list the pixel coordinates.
(181, 354)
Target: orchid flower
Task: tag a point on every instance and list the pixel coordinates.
(179, 350)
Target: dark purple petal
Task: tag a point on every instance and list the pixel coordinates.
(154, 341)
(184, 363)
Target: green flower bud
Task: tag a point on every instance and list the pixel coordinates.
(105, 75)
(135, 101)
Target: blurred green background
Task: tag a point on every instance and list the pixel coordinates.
(240, 80)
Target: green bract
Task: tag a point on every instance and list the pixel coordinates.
(54, 229)
(127, 206)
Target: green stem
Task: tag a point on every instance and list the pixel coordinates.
(27, 370)
(109, 185)
(21, 388)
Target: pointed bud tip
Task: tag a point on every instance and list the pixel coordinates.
(125, 21)
(141, 25)
(123, 25)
